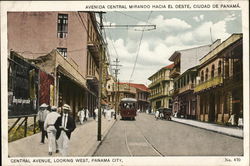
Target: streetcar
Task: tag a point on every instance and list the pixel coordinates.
(127, 108)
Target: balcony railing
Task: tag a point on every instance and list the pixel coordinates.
(174, 72)
(209, 83)
(173, 92)
(161, 94)
(158, 81)
(186, 88)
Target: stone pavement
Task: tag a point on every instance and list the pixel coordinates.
(83, 142)
(231, 131)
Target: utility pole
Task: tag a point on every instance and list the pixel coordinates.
(117, 84)
(99, 131)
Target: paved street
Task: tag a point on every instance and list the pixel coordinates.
(147, 137)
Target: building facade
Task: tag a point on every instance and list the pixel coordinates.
(220, 88)
(183, 73)
(142, 94)
(185, 100)
(77, 47)
(160, 88)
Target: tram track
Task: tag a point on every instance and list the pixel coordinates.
(145, 139)
(150, 144)
(126, 142)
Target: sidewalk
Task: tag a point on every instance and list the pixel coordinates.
(231, 131)
(83, 142)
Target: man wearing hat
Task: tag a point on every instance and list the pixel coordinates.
(64, 125)
(49, 126)
(42, 114)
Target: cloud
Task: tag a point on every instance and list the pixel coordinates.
(230, 17)
(198, 18)
(168, 25)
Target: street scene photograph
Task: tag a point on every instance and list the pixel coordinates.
(125, 83)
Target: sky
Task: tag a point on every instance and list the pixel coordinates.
(175, 30)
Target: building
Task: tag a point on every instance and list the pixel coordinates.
(127, 90)
(77, 47)
(111, 93)
(183, 90)
(183, 75)
(220, 89)
(142, 93)
(160, 88)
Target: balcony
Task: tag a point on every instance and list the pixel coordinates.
(173, 92)
(174, 72)
(209, 84)
(158, 81)
(94, 49)
(186, 88)
(161, 94)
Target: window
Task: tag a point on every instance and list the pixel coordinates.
(202, 76)
(219, 68)
(62, 51)
(62, 25)
(206, 75)
(212, 71)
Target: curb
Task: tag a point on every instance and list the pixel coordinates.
(236, 136)
(95, 147)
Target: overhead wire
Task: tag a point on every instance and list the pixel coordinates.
(138, 50)
(138, 19)
(112, 41)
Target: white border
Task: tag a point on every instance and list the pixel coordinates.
(80, 6)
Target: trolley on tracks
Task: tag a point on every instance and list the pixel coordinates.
(128, 108)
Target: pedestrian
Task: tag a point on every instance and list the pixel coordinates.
(81, 115)
(42, 114)
(96, 113)
(49, 126)
(157, 114)
(232, 119)
(64, 125)
(108, 114)
(87, 113)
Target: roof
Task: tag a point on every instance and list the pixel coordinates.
(141, 87)
(179, 52)
(169, 66)
(165, 67)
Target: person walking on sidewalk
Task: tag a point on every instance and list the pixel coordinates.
(86, 112)
(81, 115)
(96, 113)
(108, 114)
(49, 126)
(64, 125)
(157, 113)
(42, 114)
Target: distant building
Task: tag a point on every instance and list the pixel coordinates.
(76, 42)
(220, 86)
(160, 88)
(111, 93)
(142, 93)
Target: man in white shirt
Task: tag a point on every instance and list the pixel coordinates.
(108, 114)
(81, 115)
(51, 130)
(42, 114)
(96, 114)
